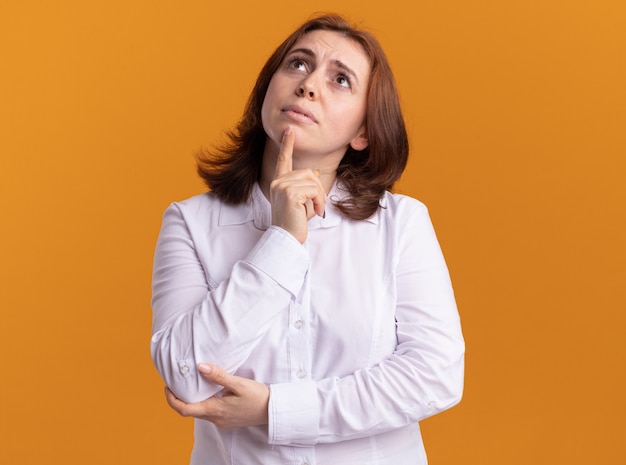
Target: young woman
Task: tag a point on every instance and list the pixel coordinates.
(303, 314)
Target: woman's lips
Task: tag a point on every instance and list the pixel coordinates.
(297, 113)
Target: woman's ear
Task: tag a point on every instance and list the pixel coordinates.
(360, 142)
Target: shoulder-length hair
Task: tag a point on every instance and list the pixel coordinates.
(231, 170)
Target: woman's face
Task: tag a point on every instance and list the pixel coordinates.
(320, 89)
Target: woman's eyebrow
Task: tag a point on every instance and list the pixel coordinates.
(304, 51)
(346, 69)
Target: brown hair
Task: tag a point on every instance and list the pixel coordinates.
(232, 170)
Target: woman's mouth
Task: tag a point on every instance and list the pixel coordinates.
(300, 114)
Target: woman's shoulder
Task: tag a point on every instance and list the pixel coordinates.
(200, 207)
(196, 203)
(401, 204)
(208, 210)
(406, 215)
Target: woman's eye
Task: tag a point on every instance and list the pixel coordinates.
(298, 64)
(343, 81)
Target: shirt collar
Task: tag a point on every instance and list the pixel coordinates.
(256, 209)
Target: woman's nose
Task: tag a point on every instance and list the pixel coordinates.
(307, 88)
(303, 92)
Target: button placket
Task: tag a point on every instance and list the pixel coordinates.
(298, 336)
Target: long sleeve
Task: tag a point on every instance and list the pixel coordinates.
(196, 319)
(422, 376)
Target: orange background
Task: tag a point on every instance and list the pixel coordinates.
(517, 117)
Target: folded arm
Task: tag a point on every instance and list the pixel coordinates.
(423, 376)
(220, 323)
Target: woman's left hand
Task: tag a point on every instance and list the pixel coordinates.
(243, 402)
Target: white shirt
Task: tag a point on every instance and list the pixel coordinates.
(356, 332)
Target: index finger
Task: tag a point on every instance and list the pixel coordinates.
(284, 163)
(217, 376)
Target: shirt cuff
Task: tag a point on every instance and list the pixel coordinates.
(282, 257)
(293, 414)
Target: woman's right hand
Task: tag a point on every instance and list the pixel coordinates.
(295, 195)
(243, 402)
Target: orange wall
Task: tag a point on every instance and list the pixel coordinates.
(516, 112)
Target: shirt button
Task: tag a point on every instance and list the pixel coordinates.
(298, 324)
(184, 369)
(300, 374)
